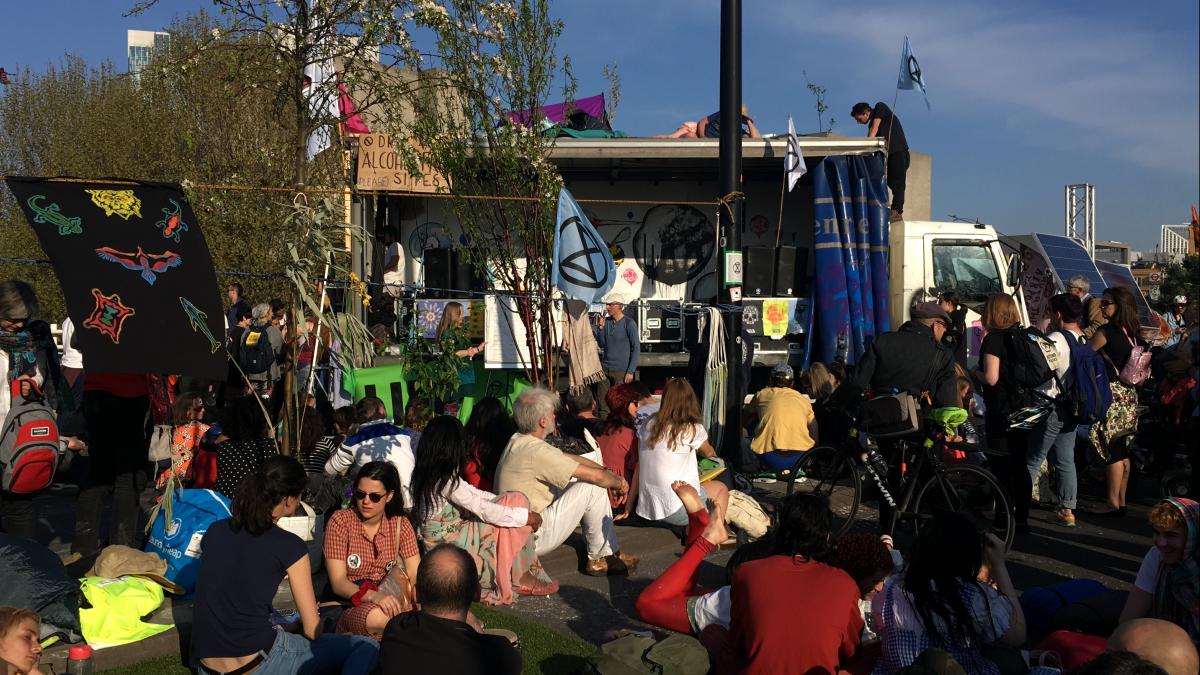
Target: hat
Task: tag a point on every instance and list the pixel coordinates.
(117, 561)
(1180, 300)
(782, 371)
(930, 310)
(617, 297)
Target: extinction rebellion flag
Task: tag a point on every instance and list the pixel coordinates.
(135, 272)
(583, 267)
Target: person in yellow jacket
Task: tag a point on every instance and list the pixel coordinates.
(787, 425)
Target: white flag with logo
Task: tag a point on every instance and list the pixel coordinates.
(911, 76)
(793, 163)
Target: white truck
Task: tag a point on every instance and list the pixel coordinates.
(653, 201)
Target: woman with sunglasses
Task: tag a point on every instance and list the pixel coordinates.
(496, 531)
(362, 545)
(244, 558)
(188, 432)
(1114, 341)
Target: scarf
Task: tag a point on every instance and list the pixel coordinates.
(1175, 596)
(22, 353)
(584, 365)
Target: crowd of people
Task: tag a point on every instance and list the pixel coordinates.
(422, 514)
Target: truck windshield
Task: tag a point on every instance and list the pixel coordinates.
(968, 269)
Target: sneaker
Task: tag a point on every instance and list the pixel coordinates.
(1064, 520)
(618, 564)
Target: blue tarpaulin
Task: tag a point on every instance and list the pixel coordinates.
(851, 257)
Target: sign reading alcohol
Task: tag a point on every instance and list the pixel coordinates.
(381, 169)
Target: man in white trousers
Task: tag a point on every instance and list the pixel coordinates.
(543, 473)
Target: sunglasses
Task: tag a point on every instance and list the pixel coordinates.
(1106, 303)
(359, 495)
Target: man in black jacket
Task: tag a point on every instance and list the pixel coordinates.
(913, 359)
(441, 636)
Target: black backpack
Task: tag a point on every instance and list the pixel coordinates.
(1034, 359)
(256, 355)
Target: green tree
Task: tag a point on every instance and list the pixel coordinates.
(490, 58)
(1179, 279)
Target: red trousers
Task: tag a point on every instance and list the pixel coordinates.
(664, 602)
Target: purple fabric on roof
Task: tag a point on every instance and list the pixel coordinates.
(557, 113)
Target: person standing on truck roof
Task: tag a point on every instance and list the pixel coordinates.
(618, 337)
(882, 123)
(1093, 314)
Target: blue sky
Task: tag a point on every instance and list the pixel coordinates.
(1026, 96)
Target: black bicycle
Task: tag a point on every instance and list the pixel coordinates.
(929, 483)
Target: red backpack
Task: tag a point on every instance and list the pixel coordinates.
(28, 443)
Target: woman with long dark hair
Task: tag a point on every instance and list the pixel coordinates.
(246, 441)
(1002, 396)
(363, 545)
(243, 561)
(670, 441)
(1115, 341)
(939, 602)
(496, 531)
(488, 430)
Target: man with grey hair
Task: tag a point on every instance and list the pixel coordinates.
(258, 352)
(1080, 287)
(544, 474)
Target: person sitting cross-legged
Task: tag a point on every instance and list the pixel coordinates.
(442, 636)
(543, 473)
(377, 439)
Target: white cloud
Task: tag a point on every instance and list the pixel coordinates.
(1116, 88)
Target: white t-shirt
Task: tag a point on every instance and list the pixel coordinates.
(1147, 576)
(659, 466)
(394, 254)
(708, 609)
(1050, 388)
(71, 357)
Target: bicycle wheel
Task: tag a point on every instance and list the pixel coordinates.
(829, 471)
(970, 490)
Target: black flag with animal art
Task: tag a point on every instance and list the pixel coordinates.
(135, 272)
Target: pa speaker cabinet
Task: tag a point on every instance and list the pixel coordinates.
(660, 321)
(465, 277)
(791, 267)
(758, 273)
(439, 272)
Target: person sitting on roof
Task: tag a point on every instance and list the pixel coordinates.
(710, 127)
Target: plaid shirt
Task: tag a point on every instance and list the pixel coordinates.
(368, 559)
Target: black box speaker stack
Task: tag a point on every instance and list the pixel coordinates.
(791, 270)
(758, 273)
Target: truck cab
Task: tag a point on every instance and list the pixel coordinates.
(928, 258)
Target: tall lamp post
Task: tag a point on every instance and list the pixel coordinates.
(731, 216)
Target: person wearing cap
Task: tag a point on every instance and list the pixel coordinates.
(618, 337)
(1093, 314)
(787, 425)
(1177, 322)
(913, 359)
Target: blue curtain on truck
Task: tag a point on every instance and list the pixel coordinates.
(851, 257)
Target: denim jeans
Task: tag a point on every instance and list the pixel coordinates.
(1055, 438)
(345, 654)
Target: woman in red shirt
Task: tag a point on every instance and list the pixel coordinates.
(488, 430)
(769, 635)
(618, 440)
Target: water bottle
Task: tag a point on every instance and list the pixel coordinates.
(79, 660)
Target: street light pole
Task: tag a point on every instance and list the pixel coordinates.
(731, 206)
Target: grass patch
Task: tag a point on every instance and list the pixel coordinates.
(163, 665)
(545, 650)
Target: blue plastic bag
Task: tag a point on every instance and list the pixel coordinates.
(178, 541)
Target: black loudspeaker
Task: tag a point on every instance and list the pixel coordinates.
(791, 269)
(439, 272)
(465, 277)
(758, 272)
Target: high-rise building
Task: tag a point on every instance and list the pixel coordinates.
(142, 45)
(1175, 243)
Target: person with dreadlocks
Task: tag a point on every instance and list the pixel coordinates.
(940, 603)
